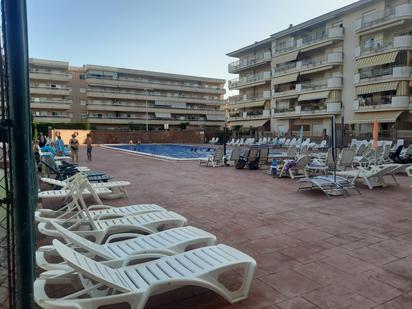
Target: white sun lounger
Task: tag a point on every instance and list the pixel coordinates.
(63, 193)
(372, 178)
(328, 184)
(74, 209)
(100, 229)
(135, 284)
(117, 184)
(168, 242)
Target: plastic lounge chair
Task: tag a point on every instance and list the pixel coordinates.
(215, 159)
(74, 209)
(118, 184)
(135, 284)
(168, 242)
(263, 155)
(234, 156)
(346, 158)
(328, 184)
(300, 165)
(373, 177)
(100, 229)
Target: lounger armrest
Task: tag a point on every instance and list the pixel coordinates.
(121, 236)
(94, 207)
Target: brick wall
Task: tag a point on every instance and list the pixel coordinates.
(123, 137)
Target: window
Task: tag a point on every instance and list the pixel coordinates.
(82, 76)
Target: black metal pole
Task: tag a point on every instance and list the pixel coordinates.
(23, 177)
(224, 143)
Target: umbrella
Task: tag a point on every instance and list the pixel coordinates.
(301, 133)
(375, 133)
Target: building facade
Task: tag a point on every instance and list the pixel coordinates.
(111, 98)
(354, 63)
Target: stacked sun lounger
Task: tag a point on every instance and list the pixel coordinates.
(113, 255)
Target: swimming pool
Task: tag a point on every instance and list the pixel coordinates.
(167, 151)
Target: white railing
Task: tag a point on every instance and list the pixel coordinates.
(248, 62)
(238, 82)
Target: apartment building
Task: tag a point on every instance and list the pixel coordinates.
(110, 98)
(251, 107)
(354, 63)
(50, 91)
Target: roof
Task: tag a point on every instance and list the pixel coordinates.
(261, 43)
(153, 73)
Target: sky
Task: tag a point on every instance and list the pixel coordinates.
(175, 36)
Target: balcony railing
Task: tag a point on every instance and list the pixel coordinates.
(314, 85)
(331, 33)
(248, 62)
(117, 105)
(245, 98)
(369, 21)
(377, 73)
(153, 94)
(238, 82)
(155, 82)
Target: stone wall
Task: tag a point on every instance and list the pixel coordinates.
(123, 137)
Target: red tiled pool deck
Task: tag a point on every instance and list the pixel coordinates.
(311, 251)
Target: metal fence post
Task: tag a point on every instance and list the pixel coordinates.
(23, 177)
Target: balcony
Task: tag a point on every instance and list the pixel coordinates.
(384, 19)
(112, 120)
(251, 115)
(249, 81)
(305, 110)
(312, 41)
(50, 76)
(321, 85)
(148, 83)
(151, 109)
(124, 94)
(248, 101)
(52, 118)
(64, 91)
(247, 63)
(385, 103)
(403, 42)
(44, 103)
(309, 65)
(383, 74)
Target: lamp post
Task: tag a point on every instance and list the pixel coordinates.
(147, 114)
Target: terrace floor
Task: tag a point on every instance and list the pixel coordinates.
(312, 252)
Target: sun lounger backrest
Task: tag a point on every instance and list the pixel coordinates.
(71, 237)
(218, 154)
(95, 270)
(253, 154)
(292, 151)
(234, 156)
(347, 156)
(409, 150)
(263, 154)
(302, 162)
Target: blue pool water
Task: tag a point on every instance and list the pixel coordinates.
(170, 151)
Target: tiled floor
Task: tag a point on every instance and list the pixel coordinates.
(312, 252)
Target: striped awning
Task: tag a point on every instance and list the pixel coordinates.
(376, 60)
(286, 57)
(376, 88)
(285, 79)
(314, 96)
(216, 117)
(163, 115)
(383, 117)
(246, 104)
(249, 123)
